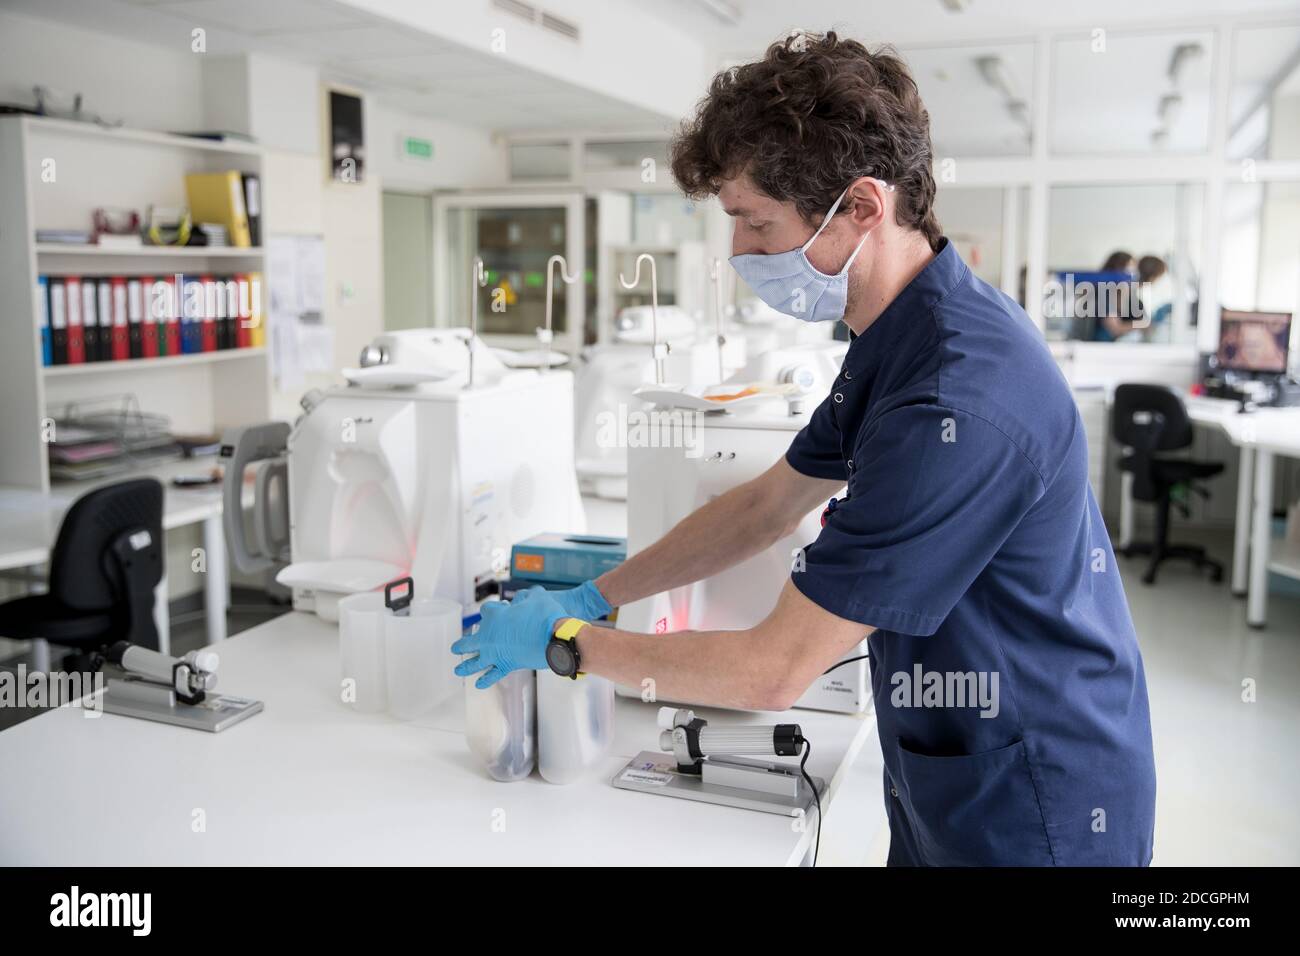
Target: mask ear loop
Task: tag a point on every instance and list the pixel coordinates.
(888, 187)
(861, 242)
(826, 221)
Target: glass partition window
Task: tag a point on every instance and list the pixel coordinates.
(515, 244)
(1131, 93)
(539, 162)
(665, 220)
(1264, 104)
(1123, 262)
(979, 98)
(1259, 268)
(626, 154)
(972, 221)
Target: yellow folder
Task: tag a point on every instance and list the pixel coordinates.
(219, 198)
(257, 330)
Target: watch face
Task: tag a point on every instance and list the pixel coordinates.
(559, 655)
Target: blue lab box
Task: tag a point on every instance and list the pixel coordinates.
(564, 560)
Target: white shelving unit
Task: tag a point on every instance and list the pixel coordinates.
(147, 252)
(68, 170)
(137, 365)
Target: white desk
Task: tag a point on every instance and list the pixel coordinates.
(1259, 437)
(29, 524)
(309, 781)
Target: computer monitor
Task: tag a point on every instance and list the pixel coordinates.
(1254, 341)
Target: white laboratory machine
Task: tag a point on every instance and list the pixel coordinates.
(610, 374)
(431, 462)
(759, 328)
(730, 447)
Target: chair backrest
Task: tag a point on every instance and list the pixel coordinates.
(1150, 418)
(86, 567)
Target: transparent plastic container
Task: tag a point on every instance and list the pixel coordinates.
(501, 724)
(575, 725)
(361, 651)
(418, 657)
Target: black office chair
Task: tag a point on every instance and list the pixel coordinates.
(105, 565)
(1150, 419)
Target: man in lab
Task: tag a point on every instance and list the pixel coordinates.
(967, 540)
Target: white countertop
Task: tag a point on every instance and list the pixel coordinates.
(1272, 429)
(309, 781)
(29, 520)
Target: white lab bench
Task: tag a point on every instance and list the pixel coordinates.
(30, 520)
(310, 781)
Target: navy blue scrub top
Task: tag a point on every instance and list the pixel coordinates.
(1009, 689)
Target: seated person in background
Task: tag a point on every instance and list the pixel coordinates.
(1117, 313)
(1151, 269)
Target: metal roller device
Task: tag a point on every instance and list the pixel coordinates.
(711, 764)
(172, 690)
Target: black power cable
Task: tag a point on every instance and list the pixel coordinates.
(850, 660)
(807, 749)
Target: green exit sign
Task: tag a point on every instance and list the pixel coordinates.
(413, 147)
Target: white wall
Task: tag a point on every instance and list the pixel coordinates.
(284, 104)
(663, 69)
(462, 158)
(140, 84)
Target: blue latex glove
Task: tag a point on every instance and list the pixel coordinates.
(510, 637)
(584, 602)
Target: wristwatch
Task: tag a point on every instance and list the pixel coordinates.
(562, 650)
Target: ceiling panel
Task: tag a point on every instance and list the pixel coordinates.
(929, 21)
(400, 66)
(360, 43)
(449, 60)
(261, 18)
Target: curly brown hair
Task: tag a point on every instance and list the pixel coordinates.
(815, 113)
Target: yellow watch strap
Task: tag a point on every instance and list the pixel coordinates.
(569, 628)
(567, 631)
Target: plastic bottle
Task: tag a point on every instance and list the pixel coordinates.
(575, 725)
(501, 724)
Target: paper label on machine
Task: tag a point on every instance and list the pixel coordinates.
(652, 778)
(484, 527)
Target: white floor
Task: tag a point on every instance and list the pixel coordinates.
(1228, 769)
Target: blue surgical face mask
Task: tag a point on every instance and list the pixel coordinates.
(789, 283)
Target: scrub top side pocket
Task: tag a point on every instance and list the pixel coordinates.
(975, 809)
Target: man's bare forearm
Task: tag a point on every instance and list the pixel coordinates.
(765, 667)
(726, 531)
(714, 667)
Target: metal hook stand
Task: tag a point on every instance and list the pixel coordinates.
(546, 334)
(715, 276)
(478, 280)
(658, 349)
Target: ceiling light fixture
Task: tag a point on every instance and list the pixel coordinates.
(1183, 54)
(725, 10)
(1171, 105)
(995, 73)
